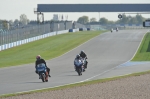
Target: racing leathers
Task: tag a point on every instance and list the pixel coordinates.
(39, 61)
(84, 56)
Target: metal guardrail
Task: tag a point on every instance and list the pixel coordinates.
(30, 39)
(35, 30)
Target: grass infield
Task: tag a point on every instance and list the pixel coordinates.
(143, 53)
(48, 48)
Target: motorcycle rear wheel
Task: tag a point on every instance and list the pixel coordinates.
(43, 77)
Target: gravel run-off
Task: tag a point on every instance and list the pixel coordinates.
(134, 87)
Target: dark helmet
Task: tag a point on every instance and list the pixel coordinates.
(78, 56)
(82, 51)
(38, 57)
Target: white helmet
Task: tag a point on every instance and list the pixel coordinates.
(78, 56)
(38, 57)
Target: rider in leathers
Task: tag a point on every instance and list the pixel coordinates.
(78, 62)
(84, 56)
(39, 60)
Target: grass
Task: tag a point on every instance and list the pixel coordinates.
(48, 48)
(76, 84)
(143, 53)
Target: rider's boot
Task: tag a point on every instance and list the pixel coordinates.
(49, 75)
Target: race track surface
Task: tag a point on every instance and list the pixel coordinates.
(105, 52)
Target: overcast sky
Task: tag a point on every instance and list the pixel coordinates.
(12, 9)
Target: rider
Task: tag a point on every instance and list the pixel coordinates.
(39, 60)
(111, 29)
(78, 62)
(84, 56)
(116, 28)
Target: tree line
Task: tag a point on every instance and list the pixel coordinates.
(138, 19)
(6, 24)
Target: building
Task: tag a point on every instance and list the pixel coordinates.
(55, 17)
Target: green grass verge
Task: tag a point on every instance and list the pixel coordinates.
(76, 85)
(143, 53)
(48, 48)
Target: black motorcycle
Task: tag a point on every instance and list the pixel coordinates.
(79, 70)
(84, 60)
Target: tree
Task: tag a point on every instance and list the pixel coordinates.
(5, 24)
(139, 18)
(28, 21)
(83, 19)
(103, 21)
(23, 19)
(133, 20)
(93, 20)
(11, 22)
(111, 22)
(16, 22)
(124, 19)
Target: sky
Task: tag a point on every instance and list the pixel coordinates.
(12, 9)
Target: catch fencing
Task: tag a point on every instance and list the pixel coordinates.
(22, 35)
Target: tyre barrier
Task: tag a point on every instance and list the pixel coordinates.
(88, 29)
(70, 30)
(80, 29)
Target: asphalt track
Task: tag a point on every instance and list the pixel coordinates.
(108, 56)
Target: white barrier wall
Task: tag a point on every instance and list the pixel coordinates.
(75, 30)
(17, 43)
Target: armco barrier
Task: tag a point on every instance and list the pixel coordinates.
(80, 29)
(17, 43)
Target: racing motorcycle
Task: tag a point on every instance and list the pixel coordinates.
(78, 65)
(84, 64)
(42, 71)
(116, 29)
(79, 70)
(111, 30)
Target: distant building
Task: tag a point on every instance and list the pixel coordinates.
(55, 17)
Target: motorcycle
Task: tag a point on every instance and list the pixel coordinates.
(111, 30)
(79, 70)
(79, 65)
(116, 30)
(42, 71)
(84, 63)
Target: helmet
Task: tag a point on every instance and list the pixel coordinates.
(38, 57)
(82, 51)
(78, 56)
